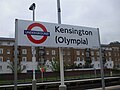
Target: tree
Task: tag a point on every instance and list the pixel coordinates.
(55, 65)
(115, 43)
(20, 68)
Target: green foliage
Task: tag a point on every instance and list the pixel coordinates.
(19, 67)
(55, 65)
(41, 66)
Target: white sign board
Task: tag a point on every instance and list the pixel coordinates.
(56, 35)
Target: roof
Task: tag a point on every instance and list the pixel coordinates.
(6, 39)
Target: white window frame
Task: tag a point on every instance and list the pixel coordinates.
(82, 53)
(8, 51)
(92, 52)
(24, 59)
(1, 51)
(53, 58)
(97, 53)
(53, 52)
(1, 59)
(78, 52)
(78, 58)
(24, 51)
(47, 52)
(8, 59)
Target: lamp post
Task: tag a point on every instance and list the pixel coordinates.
(32, 8)
(62, 86)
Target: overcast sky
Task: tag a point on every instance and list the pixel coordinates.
(102, 14)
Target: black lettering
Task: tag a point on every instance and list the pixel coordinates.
(60, 39)
(56, 29)
(56, 39)
(62, 30)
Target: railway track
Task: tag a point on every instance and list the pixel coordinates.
(71, 84)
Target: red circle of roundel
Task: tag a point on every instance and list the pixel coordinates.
(34, 40)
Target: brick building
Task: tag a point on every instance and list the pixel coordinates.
(71, 56)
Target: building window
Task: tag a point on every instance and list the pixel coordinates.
(87, 54)
(8, 43)
(47, 52)
(8, 51)
(97, 53)
(0, 67)
(119, 59)
(63, 52)
(98, 65)
(8, 68)
(1, 59)
(53, 58)
(53, 52)
(78, 52)
(8, 59)
(24, 59)
(78, 58)
(24, 51)
(41, 47)
(109, 53)
(110, 64)
(92, 53)
(68, 53)
(98, 58)
(1, 43)
(110, 48)
(82, 53)
(82, 59)
(69, 59)
(110, 59)
(92, 58)
(1, 51)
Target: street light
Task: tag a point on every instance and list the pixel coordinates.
(32, 7)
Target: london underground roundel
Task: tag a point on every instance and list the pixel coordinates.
(29, 32)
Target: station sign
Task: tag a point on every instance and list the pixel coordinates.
(30, 33)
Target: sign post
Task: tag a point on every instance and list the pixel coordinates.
(31, 33)
(62, 86)
(101, 63)
(42, 71)
(15, 54)
(32, 7)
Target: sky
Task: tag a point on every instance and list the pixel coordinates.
(102, 14)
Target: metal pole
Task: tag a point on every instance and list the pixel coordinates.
(34, 14)
(59, 11)
(33, 52)
(101, 64)
(15, 54)
(62, 86)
